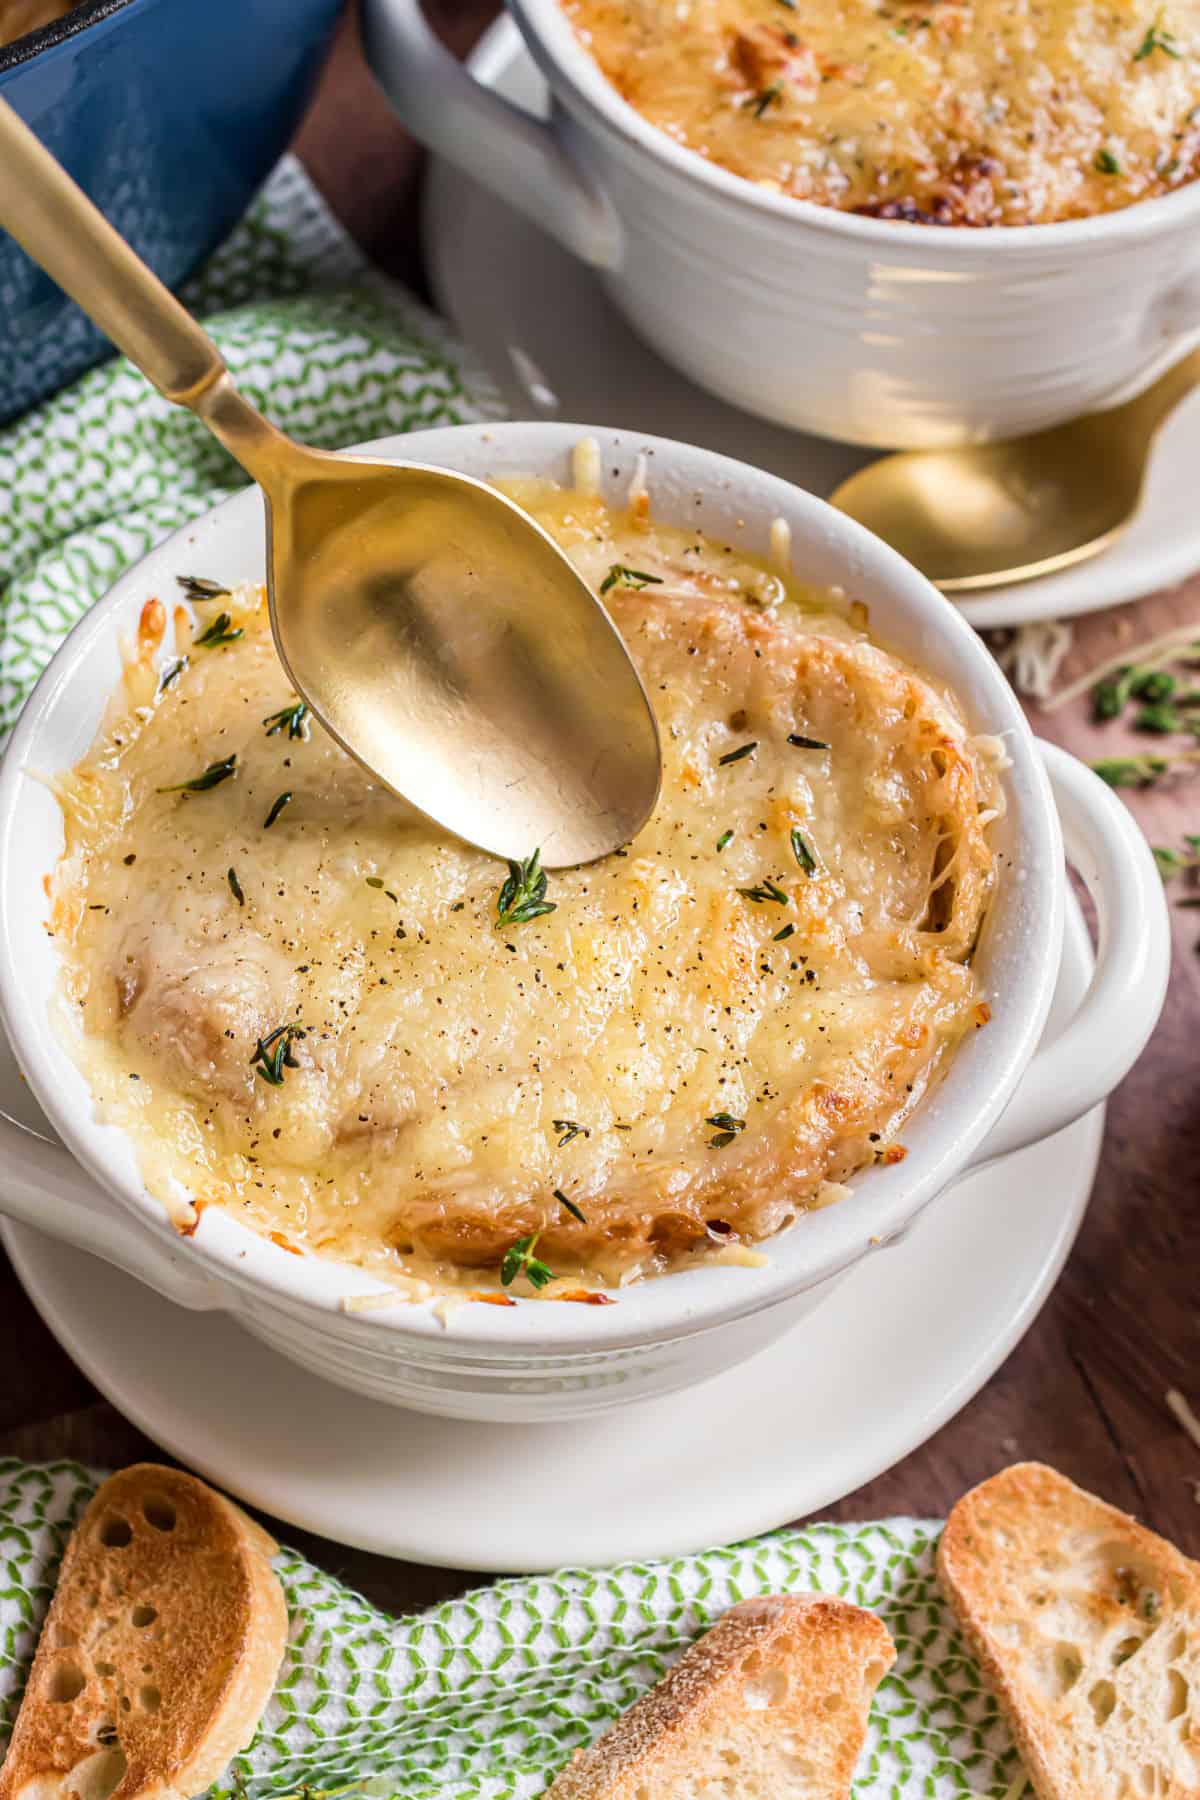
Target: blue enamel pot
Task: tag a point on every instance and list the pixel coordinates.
(169, 113)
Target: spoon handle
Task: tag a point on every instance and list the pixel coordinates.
(54, 221)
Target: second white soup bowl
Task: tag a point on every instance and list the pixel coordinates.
(540, 1361)
(873, 331)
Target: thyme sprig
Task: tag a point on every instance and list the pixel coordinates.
(293, 719)
(199, 784)
(621, 576)
(1140, 771)
(523, 895)
(1157, 39)
(765, 890)
(519, 1259)
(273, 1054)
(570, 1205)
(199, 587)
(221, 631)
(1178, 862)
(726, 1128)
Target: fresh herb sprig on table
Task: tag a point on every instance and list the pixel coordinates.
(1166, 704)
(199, 784)
(523, 895)
(519, 1259)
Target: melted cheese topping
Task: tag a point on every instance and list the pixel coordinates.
(974, 112)
(711, 1029)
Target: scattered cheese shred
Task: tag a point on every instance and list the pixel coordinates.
(585, 468)
(781, 547)
(1184, 1414)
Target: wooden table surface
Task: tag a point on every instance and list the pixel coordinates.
(1086, 1388)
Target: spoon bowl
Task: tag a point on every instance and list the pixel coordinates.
(433, 628)
(465, 664)
(990, 514)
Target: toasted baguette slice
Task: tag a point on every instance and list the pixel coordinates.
(1088, 1626)
(160, 1649)
(771, 1704)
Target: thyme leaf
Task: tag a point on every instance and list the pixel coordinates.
(766, 890)
(293, 719)
(770, 96)
(277, 806)
(221, 631)
(570, 1129)
(781, 936)
(523, 895)
(199, 784)
(273, 1054)
(725, 839)
(1106, 163)
(806, 743)
(198, 587)
(235, 886)
(726, 1128)
(172, 674)
(732, 756)
(802, 851)
(620, 576)
(519, 1259)
(570, 1206)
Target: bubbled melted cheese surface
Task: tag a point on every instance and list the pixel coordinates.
(959, 112)
(701, 1037)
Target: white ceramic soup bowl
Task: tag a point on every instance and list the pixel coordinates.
(539, 1361)
(868, 330)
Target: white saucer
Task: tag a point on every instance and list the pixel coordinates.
(898, 1348)
(557, 347)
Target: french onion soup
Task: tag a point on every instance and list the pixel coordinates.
(305, 1004)
(950, 112)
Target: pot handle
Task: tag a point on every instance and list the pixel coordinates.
(42, 1185)
(1100, 1045)
(521, 158)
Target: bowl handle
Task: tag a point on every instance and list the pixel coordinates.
(522, 159)
(1100, 1045)
(42, 1185)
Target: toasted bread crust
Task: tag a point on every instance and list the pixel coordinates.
(1079, 1617)
(159, 1651)
(778, 1682)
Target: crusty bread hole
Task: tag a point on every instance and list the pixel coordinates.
(1178, 1694)
(765, 1689)
(1102, 1699)
(149, 1698)
(143, 1615)
(159, 1512)
(115, 1533)
(67, 1681)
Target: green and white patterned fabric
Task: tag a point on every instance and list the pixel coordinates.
(97, 475)
(488, 1694)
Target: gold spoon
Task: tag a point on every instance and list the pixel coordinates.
(989, 514)
(439, 634)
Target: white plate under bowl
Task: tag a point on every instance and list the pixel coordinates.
(897, 1349)
(557, 347)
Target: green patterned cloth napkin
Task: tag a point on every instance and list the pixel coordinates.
(331, 352)
(487, 1695)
